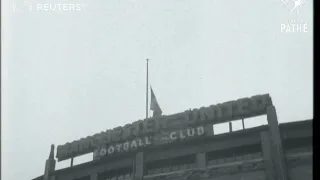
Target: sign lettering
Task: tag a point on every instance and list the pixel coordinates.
(186, 133)
(126, 146)
(228, 111)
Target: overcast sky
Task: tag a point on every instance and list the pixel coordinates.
(68, 75)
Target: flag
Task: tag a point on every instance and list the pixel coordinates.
(154, 106)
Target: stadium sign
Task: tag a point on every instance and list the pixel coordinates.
(228, 111)
(179, 135)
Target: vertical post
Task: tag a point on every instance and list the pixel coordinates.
(50, 164)
(147, 89)
(96, 155)
(267, 156)
(276, 144)
(242, 123)
(133, 168)
(94, 176)
(71, 162)
(230, 126)
(139, 166)
(209, 129)
(49, 168)
(201, 160)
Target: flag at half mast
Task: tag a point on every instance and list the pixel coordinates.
(154, 106)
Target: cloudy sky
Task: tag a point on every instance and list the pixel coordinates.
(70, 74)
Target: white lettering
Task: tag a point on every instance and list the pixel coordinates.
(200, 130)
(294, 27)
(65, 7)
(39, 7)
(110, 150)
(134, 144)
(147, 141)
(103, 152)
(305, 27)
(126, 146)
(190, 132)
(140, 142)
(182, 136)
(46, 7)
(59, 6)
(78, 7)
(72, 6)
(118, 147)
(52, 9)
(288, 28)
(173, 136)
(283, 27)
(298, 27)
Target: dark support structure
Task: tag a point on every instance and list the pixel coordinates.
(268, 152)
(243, 127)
(71, 162)
(276, 144)
(229, 156)
(267, 155)
(209, 129)
(201, 160)
(50, 164)
(94, 176)
(139, 170)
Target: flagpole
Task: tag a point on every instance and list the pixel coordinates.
(147, 88)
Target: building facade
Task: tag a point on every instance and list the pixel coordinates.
(193, 152)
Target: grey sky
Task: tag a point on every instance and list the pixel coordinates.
(72, 74)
